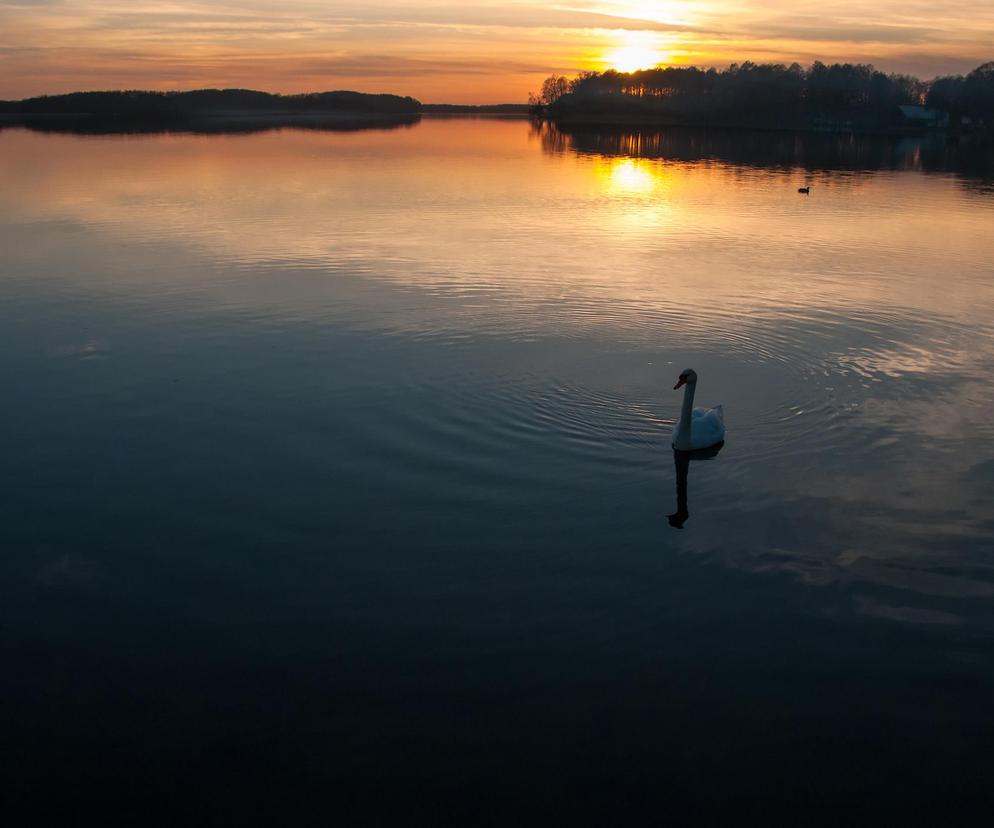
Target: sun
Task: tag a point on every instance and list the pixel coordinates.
(637, 50)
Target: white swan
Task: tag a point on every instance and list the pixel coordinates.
(697, 428)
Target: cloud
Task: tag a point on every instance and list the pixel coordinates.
(504, 48)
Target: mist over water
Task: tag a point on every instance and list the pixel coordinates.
(339, 463)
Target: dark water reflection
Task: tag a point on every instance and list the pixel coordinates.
(970, 157)
(681, 471)
(337, 478)
(220, 124)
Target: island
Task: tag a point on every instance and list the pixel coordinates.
(208, 110)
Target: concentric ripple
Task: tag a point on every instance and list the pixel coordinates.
(498, 339)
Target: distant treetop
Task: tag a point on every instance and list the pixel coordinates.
(136, 103)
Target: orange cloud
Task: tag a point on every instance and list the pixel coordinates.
(451, 51)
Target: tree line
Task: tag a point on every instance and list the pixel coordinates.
(841, 94)
(181, 105)
(971, 96)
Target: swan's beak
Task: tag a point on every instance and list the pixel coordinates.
(679, 382)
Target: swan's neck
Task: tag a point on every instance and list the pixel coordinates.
(686, 416)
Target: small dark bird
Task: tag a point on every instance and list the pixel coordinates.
(804, 190)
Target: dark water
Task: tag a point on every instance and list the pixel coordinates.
(337, 473)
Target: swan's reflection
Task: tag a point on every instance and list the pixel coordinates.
(681, 461)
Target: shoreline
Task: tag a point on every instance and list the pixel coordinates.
(636, 123)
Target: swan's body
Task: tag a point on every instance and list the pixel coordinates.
(707, 428)
(697, 428)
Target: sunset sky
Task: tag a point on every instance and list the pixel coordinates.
(463, 52)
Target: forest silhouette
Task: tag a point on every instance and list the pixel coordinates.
(837, 96)
(209, 110)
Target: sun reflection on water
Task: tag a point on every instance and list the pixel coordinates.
(628, 176)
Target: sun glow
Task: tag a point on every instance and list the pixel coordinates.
(637, 50)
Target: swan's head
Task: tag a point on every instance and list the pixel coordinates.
(688, 376)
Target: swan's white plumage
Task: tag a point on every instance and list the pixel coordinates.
(697, 428)
(707, 428)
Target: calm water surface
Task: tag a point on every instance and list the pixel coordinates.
(337, 473)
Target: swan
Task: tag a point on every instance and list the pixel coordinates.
(697, 428)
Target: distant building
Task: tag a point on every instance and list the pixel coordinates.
(922, 116)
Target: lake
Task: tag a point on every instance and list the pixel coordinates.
(338, 474)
